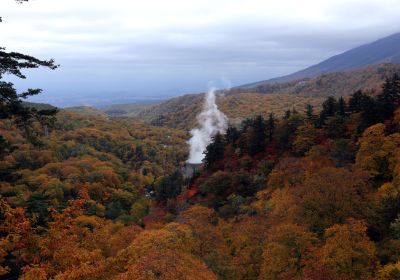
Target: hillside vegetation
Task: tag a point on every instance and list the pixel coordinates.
(311, 195)
(237, 104)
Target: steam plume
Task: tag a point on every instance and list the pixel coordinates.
(211, 120)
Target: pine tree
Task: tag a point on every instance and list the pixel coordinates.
(231, 135)
(389, 99)
(329, 109)
(170, 186)
(214, 151)
(288, 113)
(271, 126)
(310, 113)
(359, 102)
(342, 107)
(258, 136)
(11, 102)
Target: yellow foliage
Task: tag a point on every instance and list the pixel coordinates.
(348, 250)
(287, 247)
(389, 272)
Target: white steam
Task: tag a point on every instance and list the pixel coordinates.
(211, 120)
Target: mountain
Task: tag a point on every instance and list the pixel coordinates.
(362, 68)
(239, 103)
(385, 50)
(331, 84)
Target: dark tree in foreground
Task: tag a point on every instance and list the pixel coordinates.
(11, 102)
(11, 105)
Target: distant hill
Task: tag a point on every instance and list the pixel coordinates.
(87, 111)
(127, 110)
(385, 50)
(335, 84)
(178, 112)
(238, 103)
(39, 106)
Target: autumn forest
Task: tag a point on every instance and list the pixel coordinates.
(305, 188)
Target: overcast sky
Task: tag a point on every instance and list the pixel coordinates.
(125, 50)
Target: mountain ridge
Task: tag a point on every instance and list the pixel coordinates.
(237, 104)
(384, 50)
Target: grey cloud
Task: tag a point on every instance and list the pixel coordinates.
(99, 56)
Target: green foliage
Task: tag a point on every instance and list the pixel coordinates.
(169, 186)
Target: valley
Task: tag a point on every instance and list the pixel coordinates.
(291, 178)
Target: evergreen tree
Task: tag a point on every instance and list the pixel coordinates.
(330, 106)
(271, 126)
(287, 115)
(214, 151)
(11, 102)
(359, 102)
(335, 126)
(371, 114)
(232, 134)
(342, 107)
(169, 186)
(310, 113)
(329, 109)
(258, 136)
(389, 99)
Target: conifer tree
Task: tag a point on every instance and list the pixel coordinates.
(310, 116)
(288, 113)
(359, 102)
(258, 136)
(389, 99)
(271, 126)
(329, 109)
(11, 102)
(232, 134)
(170, 186)
(214, 151)
(342, 107)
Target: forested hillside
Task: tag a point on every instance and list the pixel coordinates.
(237, 104)
(310, 195)
(302, 182)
